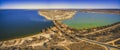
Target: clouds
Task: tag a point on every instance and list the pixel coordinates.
(61, 4)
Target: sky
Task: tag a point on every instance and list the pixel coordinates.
(59, 4)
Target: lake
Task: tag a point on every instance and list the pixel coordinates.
(82, 20)
(16, 23)
(21, 22)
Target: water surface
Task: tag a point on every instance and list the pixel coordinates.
(88, 20)
(16, 23)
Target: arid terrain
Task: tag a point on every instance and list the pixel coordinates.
(62, 37)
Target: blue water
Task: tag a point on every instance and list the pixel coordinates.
(88, 20)
(15, 23)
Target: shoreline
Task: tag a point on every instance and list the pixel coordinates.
(104, 11)
(30, 35)
(54, 37)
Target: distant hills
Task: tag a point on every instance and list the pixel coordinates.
(111, 11)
